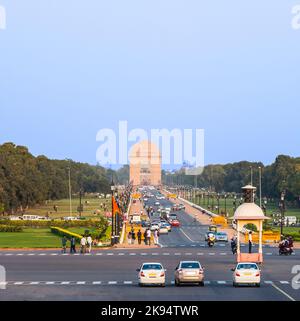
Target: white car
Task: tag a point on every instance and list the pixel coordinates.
(246, 273)
(154, 226)
(157, 204)
(163, 229)
(152, 273)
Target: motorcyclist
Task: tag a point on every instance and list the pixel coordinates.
(211, 238)
(234, 244)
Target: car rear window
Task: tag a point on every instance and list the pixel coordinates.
(247, 267)
(190, 265)
(152, 267)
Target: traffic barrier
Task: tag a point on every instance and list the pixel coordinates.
(219, 220)
(267, 237)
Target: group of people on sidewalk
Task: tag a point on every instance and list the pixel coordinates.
(86, 243)
(132, 236)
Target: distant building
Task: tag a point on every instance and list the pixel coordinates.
(145, 164)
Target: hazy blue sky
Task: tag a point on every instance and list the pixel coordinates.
(69, 68)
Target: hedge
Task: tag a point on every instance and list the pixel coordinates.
(6, 228)
(62, 232)
(57, 223)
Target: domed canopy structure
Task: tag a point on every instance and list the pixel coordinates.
(249, 211)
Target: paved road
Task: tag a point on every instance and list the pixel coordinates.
(110, 274)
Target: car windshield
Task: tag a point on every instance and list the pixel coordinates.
(152, 267)
(247, 266)
(190, 265)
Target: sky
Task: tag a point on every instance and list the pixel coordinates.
(71, 68)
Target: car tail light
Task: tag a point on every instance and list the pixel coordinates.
(180, 271)
(200, 271)
(257, 274)
(142, 274)
(237, 274)
(162, 274)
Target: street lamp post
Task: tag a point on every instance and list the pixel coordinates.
(282, 207)
(260, 187)
(112, 212)
(70, 189)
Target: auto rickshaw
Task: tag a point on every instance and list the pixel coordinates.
(213, 228)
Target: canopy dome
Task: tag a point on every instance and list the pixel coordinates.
(249, 211)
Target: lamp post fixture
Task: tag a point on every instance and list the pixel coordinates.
(282, 211)
(112, 212)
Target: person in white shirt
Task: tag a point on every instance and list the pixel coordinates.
(148, 236)
(83, 242)
(89, 243)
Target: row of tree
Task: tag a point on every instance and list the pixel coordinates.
(26, 180)
(282, 175)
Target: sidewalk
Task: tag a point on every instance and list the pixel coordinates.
(136, 208)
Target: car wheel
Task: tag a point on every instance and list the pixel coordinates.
(140, 285)
(234, 284)
(201, 284)
(177, 283)
(163, 285)
(257, 285)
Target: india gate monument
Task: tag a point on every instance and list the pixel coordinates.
(145, 164)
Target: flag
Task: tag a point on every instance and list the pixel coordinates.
(116, 209)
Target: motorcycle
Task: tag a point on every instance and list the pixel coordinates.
(210, 242)
(234, 248)
(283, 250)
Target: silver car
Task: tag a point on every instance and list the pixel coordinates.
(189, 272)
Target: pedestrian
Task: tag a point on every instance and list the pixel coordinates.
(83, 245)
(149, 236)
(133, 236)
(64, 244)
(139, 235)
(156, 235)
(73, 245)
(129, 236)
(89, 243)
(250, 242)
(145, 237)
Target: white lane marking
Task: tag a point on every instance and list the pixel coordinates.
(128, 282)
(54, 254)
(207, 282)
(221, 282)
(282, 292)
(268, 282)
(144, 254)
(166, 254)
(50, 283)
(97, 282)
(269, 253)
(20, 254)
(99, 254)
(154, 253)
(31, 254)
(284, 282)
(222, 245)
(34, 283)
(200, 253)
(8, 254)
(182, 245)
(186, 235)
(188, 253)
(42, 254)
(112, 282)
(193, 245)
(132, 254)
(81, 283)
(77, 254)
(18, 283)
(177, 254)
(212, 254)
(65, 283)
(223, 253)
(110, 254)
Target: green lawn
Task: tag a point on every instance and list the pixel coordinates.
(30, 238)
(64, 208)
